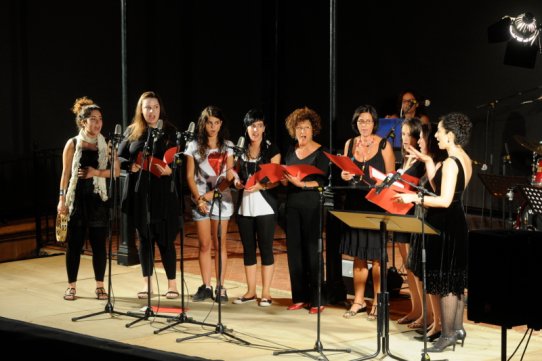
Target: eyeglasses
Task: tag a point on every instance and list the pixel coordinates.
(300, 129)
(364, 122)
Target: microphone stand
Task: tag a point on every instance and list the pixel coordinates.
(182, 316)
(219, 327)
(422, 192)
(109, 307)
(146, 154)
(318, 347)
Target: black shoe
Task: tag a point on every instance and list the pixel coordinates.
(222, 296)
(430, 338)
(203, 294)
(442, 343)
(461, 335)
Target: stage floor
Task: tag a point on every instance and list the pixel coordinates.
(32, 292)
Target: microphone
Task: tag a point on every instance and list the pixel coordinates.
(117, 136)
(239, 148)
(157, 132)
(483, 166)
(507, 157)
(389, 180)
(190, 133)
(391, 134)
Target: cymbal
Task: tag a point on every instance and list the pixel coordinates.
(537, 148)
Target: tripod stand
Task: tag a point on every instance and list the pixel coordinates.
(383, 222)
(219, 327)
(146, 154)
(109, 308)
(182, 317)
(318, 347)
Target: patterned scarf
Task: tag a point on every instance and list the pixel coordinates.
(98, 182)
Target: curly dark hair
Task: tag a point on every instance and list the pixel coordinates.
(300, 115)
(82, 108)
(366, 108)
(459, 124)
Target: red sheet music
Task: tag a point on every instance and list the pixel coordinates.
(385, 199)
(275, 172)
(170, 154)
(155, 161)
(344, 163)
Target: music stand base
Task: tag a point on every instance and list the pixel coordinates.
(181, 318)
(146, 315)
(108, 309)
(317, 348)
(220, 329)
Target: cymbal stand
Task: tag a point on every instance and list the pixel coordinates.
(318, 347)
(113, 217)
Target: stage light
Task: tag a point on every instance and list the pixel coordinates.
(524, 28)
(523, 36)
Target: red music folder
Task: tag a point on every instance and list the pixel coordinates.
(169, 155)
(385, 199)
(275, 172)
(344, 163)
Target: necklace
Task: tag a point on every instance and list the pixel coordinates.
(367, 143)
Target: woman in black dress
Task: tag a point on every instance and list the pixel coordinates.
(446, 264)
(364, 245)
(153, 206)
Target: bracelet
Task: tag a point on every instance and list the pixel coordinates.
(62, 192)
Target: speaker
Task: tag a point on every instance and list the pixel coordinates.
(502, 277)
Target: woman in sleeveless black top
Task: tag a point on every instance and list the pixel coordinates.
(447, 252)
(365, 151)
(83, 196)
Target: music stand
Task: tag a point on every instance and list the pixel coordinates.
(383, 222)
(499, 186)
(534, 197)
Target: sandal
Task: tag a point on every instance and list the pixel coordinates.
(372, 315)
(351, 313)
(101, 294)
(143, 295)
(69, 295)
(415, 324)
(171, 294)
(405, 320)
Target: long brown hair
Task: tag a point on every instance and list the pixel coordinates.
(202, 137)
(139, 125)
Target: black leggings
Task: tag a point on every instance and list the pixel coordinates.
(76, 240)
(168, 253)
(257, 230)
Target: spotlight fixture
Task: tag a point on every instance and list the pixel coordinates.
(523, 35)
(524, 28)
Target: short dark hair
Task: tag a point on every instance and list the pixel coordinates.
(366, 108)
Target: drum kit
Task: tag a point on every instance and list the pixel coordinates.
(529, 216)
